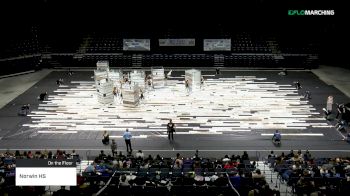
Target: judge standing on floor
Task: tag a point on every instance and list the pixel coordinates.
(105, 139)
(127, 137)
(171, 129)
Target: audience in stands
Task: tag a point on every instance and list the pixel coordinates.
(271, 155)
(245, 156)
(304, 173)
(62, 192)
(139, 155)
(307, 175)
(258, 174)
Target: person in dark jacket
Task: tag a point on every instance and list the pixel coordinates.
(171, 129)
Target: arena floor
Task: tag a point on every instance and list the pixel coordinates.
(230, 113)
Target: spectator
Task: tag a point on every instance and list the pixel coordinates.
(245, 156)
(121, 156)
(179, 159)
(102, 155)
(221, 181)
(258, 174)
(29, 155)
(300, 155)
(296, 159)
(60, 155)
(291, 154)
(74, 155)
(139, 155)
(307, 156)
(91, 168)
(177, 164)
(62, 192)
(228, 165)
(149, 158)
(226, 159)
(50, 155)
(123, 181)
(196, 164)
(271, 155)
(196, 155)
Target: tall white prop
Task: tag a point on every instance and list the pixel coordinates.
(131, 95)
(158, 77)
(115, 75)
(193, 77)
(104, 86)
(137, 77)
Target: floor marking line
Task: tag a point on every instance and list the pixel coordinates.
(184, 150)
(295, 134)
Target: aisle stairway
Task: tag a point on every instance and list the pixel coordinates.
(273, 179)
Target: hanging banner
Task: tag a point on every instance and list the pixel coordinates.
(177, 42)
(136, 45)
(217, 44)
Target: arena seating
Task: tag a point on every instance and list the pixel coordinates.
(60, 41)
(24, 44)
(103, 44)
(248, 49)
(250, 43)
(17, 65)
(138, 174)
(326, 176)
